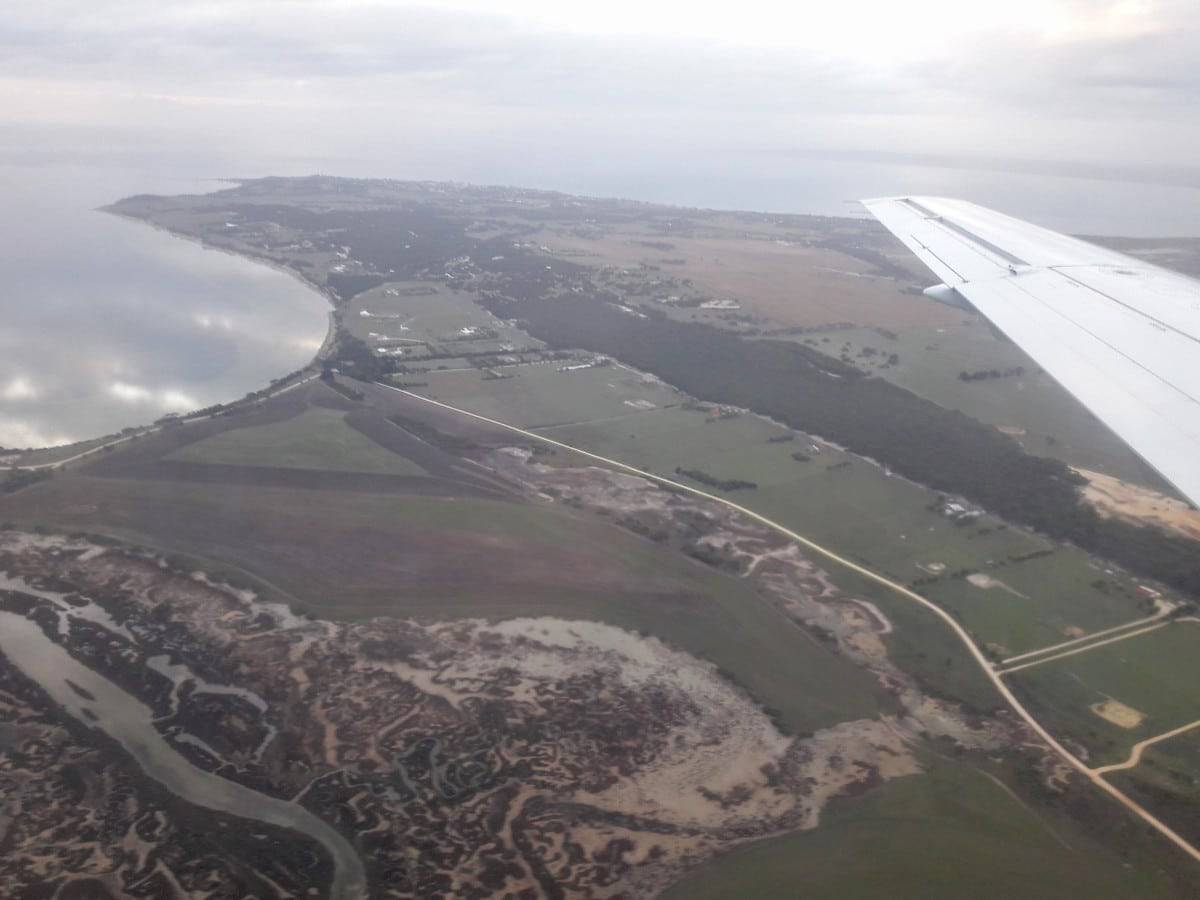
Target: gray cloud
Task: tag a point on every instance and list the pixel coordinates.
(374, 75)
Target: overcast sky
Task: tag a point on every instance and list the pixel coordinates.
(471, 89)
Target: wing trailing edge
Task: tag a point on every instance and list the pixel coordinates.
(1119, 334)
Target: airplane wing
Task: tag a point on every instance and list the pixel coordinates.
(1121, 335)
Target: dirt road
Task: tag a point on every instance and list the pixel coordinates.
(1093, 775)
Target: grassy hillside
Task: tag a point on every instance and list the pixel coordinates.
(316, 439)
(951, 833)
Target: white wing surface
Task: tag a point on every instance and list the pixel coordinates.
(1121, 335)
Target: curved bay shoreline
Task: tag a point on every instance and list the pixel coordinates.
(52, 455)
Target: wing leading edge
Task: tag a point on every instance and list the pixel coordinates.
(1121, 335)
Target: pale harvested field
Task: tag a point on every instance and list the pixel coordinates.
(788, 283)
(804, 286)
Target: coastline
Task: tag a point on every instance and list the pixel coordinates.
(205, 245)
(88, 445)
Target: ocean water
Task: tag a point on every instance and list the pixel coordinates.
(108, 323)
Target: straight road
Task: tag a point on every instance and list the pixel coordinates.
(1088, 637)
(1083, 649)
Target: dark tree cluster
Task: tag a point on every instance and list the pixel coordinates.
(941, 448)
(16, 479)
(989, 374)
(721, 484)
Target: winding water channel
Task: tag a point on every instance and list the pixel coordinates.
(130, 722)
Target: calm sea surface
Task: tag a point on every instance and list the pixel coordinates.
(108, 323)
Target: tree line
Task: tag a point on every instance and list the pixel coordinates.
(941, 448)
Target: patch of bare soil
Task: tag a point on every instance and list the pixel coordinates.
(1112, 497)
(1117, 713)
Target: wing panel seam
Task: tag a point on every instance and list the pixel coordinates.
(1016, 283)
(952, 226)
(1123, 304)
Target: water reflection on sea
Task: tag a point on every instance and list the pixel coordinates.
(108, 323)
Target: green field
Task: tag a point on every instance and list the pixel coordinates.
(315, 439)
(1043, 593)
(841, 501)
(539, 395)
(1055, 424)
(433, 320)
(1040, 603)
(1154, 673)
(1168, 781)
(952, 833)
